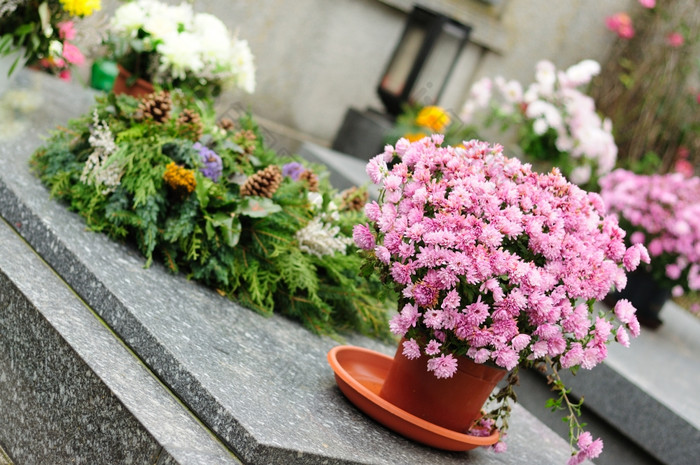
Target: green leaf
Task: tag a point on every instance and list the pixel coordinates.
(229, 226)
(202, 190)
(258, 207)
(45, 16)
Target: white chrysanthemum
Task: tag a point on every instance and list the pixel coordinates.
(128, 18)
(205, 24)
(481, 92)
(580, 174)
(582, 73)
(546, 76)
(181, 54)
(243, 66)
(160, 27)
(319, 239)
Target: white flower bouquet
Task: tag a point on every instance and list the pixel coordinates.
(172, 46)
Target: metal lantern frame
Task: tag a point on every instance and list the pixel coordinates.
(433, 26)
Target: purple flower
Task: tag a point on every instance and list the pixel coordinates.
(293, 170)
(213, 165)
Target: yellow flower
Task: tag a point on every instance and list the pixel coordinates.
(415, 136)
(179, 178)
(433, 118)
(81, 7)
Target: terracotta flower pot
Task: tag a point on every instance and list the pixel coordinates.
(453, 403)
(140, 87)
(361, 373)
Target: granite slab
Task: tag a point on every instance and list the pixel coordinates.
(70, 392)
(261, 384)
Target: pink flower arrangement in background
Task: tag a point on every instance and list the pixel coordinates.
(620, 24)
(663, 213)
(62, 53)
(494, 261)
(556, 121)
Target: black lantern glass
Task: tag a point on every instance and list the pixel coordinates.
(423, 60)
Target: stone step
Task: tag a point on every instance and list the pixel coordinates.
(262, 385)
(70, 392)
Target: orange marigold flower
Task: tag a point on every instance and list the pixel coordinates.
(179, 178)
(433, 118)
(415, 136)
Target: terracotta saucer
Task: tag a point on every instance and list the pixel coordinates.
(360, 374)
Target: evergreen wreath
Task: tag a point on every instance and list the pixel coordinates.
(145, 181)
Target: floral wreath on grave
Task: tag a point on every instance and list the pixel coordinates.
(209, 199)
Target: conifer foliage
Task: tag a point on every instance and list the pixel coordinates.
(218, 209)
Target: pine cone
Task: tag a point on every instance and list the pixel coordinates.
(190, 124)
(246, 139)
(226, 124)
(264, 183)
(354, 199)
(156, 106)
(310, 178)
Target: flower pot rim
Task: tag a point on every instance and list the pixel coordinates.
(385, 412)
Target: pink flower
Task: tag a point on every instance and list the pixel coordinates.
(481, 355)
(443, 366)
(648, 3)
(624, 310)
(411, 349)
(684, 167)
(373, 211)
(363, 237)
(674, 39)
(376, 168)
(500, 447)
(621, 24)
(72, 54)
(66, 30)
(637, 237)
(622, 336)
(573, 357)
(433, 347)
(677, 291)
(65, 75)
(382, 254)
(673, 271)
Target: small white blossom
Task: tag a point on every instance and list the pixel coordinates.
(319, 238)
(97, 171)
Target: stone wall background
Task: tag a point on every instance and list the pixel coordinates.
(317, 58)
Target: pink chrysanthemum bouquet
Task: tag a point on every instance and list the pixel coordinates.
(497, 263)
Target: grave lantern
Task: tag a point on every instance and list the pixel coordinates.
(423, 60)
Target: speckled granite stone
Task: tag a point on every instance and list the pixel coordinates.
(261, 384)
(69, 391)
(4, 459)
